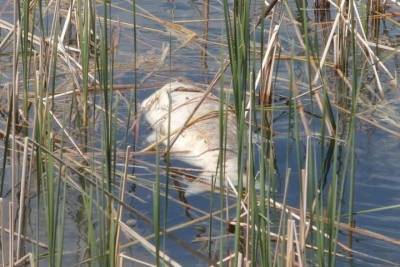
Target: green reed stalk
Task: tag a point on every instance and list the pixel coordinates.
(85, 27)
(222, 149)
(38, 159)
(352, 128)
(48, 186)
(26, 51)
(156, 206)
(238, 36)
(167, 158)
(60, 204)
(304, 21)
(253, 205)
(133, 97)
(104, 69)
(106, 226)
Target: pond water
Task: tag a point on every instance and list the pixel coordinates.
(377, 181)
(163, 56)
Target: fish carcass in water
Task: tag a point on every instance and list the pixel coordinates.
(199, 143)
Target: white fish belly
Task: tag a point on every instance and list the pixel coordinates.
(199, 143)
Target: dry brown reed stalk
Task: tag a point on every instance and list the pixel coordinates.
(206, 16)
(296, 242)
(22, 196)
(294, 213)
(290, 243)
(275, 203)
(282, 218)
(267, 77)
(10, 234)
(361, 116)
(250, 193)
(266, 69)
(303, 208)
(176, 131)
(2, 232)
(26, 258)
(6, 38)
(328, 43)
(26, 238)
(71, 139)
(164, 54)
(365, 48)
(226, 259)
(133, 234)
(204, 217)
(66, 53)
(315, 94)
(14, 116)
(185, 35)
(131, 259)
(68, 59)
(301, 257)
(206, 93)
(75, 170)
(296, 245)
(300, 107)
(179, 31)
(122, 198)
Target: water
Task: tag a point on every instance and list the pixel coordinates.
(377, 152)
(377, 156)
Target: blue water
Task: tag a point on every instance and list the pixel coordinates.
(377, 182)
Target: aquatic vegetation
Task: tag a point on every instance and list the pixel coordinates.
(282, 150)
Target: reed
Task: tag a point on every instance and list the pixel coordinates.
(293, 87)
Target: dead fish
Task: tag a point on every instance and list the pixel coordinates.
(199, 143)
